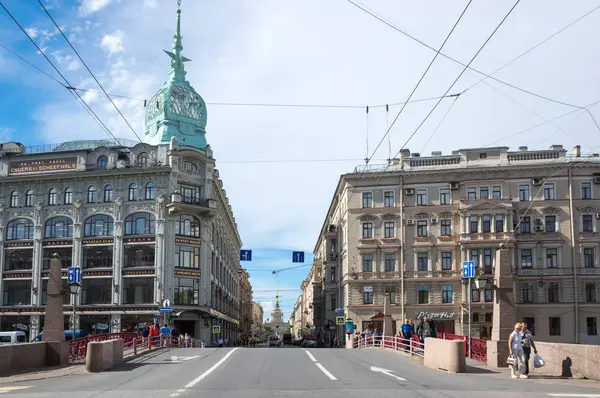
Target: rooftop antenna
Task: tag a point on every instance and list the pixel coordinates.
(367, 155)
(387, 122)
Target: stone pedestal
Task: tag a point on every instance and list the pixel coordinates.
(54, 329)
(388, 329)
(497, 353)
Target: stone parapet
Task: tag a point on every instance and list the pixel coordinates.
(104, 355)
(447, 355)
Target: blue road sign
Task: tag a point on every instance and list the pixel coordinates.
(297, 257)
(245, 255)
(162, 309)
(468, 269)
(339, 312)
(73, 275)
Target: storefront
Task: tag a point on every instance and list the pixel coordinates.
(375, 324)
(444, 321)
(95, 324)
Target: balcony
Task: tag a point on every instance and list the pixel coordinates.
(485, 236)
(193, 206)
(374, 275)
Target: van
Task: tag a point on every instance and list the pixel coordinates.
(68, 335)
(12, 338)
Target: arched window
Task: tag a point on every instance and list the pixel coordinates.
(14, 199)
(92, 194)
(100, 225)
(21, 228)
(29, 198)
(188, 226)
(190, 166)
(150, 191)
(68, 196)
(133, 191)
(140, 224)
(108, 193)
(59, 227)
(102, 162)
(52, 197)
(142, 159)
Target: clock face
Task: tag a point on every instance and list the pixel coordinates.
(185, 103)
(155, 107)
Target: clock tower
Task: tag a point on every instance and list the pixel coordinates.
(176, 110)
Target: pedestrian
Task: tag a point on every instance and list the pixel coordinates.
(165, 332)
(528, 344)
(515, 348)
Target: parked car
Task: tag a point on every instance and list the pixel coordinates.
(274, 341)
(12, 338)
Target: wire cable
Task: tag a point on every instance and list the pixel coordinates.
(439, 124)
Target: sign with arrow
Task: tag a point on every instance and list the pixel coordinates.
(386, 372)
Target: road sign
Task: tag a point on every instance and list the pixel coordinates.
(297, 257)
(166, 303)
(216, 329)
(73, 275)
(216, 321)
(340, 320)
(468, 269)
(245, 255)
(165, 309)
(339, 312)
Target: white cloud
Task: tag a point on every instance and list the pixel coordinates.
(88, 7)
(33, 32)
(70, 62)
(113, 43)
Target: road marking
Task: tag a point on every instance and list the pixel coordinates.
(576, 395)
(311, 356)
(386, 372)
(181, 390)
(13, 388)
(209, 371)
(175, 394)
(332, 377)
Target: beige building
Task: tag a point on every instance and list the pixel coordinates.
(404, 229)
(257, 318)
(276, 321)
(246, 310)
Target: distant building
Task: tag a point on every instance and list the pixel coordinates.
(257, 318)
(246, 318)
(276, 322)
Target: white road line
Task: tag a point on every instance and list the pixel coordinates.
(181, 390)
(332, 377)
(209, 371)
(576, 395)
(311, 356)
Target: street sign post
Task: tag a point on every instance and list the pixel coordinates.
(468, 272)
(73, 275)
(297, 257)
(165, 309)
(340, 320)
(245, 255)
(216, 329)
(339, 312)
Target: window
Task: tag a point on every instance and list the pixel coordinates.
(97, 256)
(473, 224)
(498, 223)
(483, 156)
(58, 227)
(471, 193)
(389, 199)
(108, 193)
(368, 295)
(52, 197)
(588, 257)
(475, 294)
(333, 302)
(14, 199)
(389, 229)
(390, 262)
(475, 317)
(140, 224)
(138, 290)
(367, 230)
(553, 292)
(142, 159)
(422, 262)
(592, 327)
(68, 196)
(550, 224)
(590, 292)
(444, 196)
(21, 228)
(445, 227)
(132, 191)
(423, 294)
(447, 261)
(18, 259)
(92, 194)
(586, 190)
(139, 255)
(189, 194)
(554, 326)
(391, 292)
(16, 292)
(422, 228)
(332, 274)
(446, 294)
(65, 254)
(552, 258)
(496, 192)
(587, 223)
(528, 293)
(530, 322)
(102, 162)
(526, 225)
(475, 257)
(367, 262)
(187, 257)
(150, 191)
(526, 258)
(96, 291)
(488, 260)
(100, 225)
(484, 192)
(488, 292)
(486, 224)
(549, 193)
(524, 193)
(422, 197)
(190, 166)
(29, 198)
(367, 199)
(188, 226)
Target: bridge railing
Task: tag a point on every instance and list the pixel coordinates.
(478, 346)
(413, 346)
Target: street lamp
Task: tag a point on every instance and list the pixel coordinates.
(74, 287)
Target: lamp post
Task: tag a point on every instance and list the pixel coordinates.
(74, 292)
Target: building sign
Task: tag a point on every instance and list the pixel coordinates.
(43, 165)
(136, 272)
(187, 273)
(98, 241)
(436, 315)
(17, 275)
(187, 241)
(19, 244)
(97, 273)
(142, 239)
(49, 243)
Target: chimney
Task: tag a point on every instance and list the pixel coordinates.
(404, 153)
(556, 147)
(396, 161)
(436, 153)
(416, 155)
(523, 149)
(577, 151)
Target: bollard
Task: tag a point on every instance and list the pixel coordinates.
(149, 342)
(135, 346)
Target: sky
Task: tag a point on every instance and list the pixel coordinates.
(280, 165)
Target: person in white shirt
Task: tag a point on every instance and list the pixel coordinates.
(515, 348)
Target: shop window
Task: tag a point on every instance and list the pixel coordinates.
(97, 256)
(18, 259)
(100, 225)
(96, 291)
(21, 228)
(138, 290)
(16, 292)
(187, 291)
(188, 226)
(140, 224)
(139, 255)
(58, 227)
(65, 254)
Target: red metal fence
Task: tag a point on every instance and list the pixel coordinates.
(78, 347)
(478, 346)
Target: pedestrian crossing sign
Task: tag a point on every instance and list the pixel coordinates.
(216, 329)
(340, 320)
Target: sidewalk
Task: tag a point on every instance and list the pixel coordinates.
(45, 373)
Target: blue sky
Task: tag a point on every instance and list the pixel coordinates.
(280, 165)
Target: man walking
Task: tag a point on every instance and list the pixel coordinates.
(528, 344)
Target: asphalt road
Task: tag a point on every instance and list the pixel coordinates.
(289, 372)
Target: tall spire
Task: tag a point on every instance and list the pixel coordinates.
(177, 59)
(277, 298)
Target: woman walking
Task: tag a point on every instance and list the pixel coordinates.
(515, 348)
